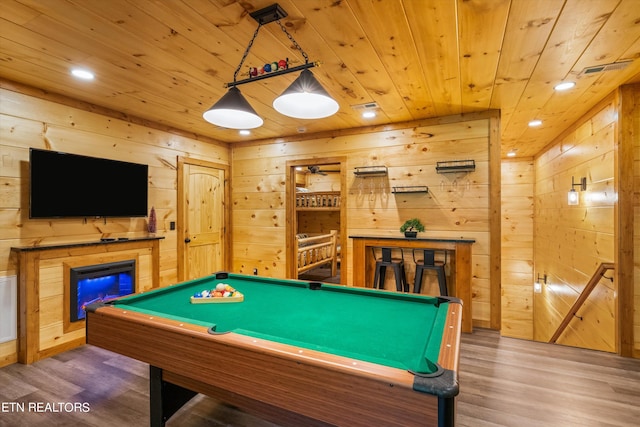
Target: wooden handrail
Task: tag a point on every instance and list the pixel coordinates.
(595, 279)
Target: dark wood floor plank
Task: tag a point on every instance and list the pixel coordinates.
(503, 382)
(12, 387)
(43, 378)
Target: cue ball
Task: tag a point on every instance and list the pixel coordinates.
(220, 287)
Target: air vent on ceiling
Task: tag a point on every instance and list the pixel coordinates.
(365, 106)
(605, 67)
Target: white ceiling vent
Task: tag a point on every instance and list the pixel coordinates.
(605, 67)
(365, 106)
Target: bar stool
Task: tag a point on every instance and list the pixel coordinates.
(428, 262)
(387, 260)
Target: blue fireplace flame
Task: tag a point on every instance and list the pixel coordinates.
(97, 283)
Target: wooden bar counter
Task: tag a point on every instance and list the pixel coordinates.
(460, 250)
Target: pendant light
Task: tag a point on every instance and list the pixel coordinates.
(233, 111)
(304, 99)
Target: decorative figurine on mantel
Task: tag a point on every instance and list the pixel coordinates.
(151, 227)
(411, 227)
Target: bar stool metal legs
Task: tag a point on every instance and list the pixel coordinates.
(397, 264)
(429, 263)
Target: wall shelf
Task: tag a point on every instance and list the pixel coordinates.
(410, 189)
(454, 166)
(365, 171)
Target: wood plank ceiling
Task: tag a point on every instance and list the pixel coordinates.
(166, 61)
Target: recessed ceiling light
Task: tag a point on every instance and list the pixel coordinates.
(512, 153)
(82, 74)
(534, 123)
(368, 114)
(244, 132)
(564, 86)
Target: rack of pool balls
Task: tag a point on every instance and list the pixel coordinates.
(221, 294)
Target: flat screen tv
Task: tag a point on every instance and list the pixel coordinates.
(69, 185)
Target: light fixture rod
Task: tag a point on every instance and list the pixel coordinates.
(273, 74)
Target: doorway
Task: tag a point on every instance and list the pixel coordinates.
(316, 219)
(203, 245)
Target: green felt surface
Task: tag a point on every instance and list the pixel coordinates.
(398, 330)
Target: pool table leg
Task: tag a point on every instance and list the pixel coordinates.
(446, 412)
(165, 399)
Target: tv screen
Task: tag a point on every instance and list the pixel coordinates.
(69, 185)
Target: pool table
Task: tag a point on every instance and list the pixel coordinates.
(293, 352)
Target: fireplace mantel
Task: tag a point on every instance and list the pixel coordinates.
(43, 273)
(53, 246)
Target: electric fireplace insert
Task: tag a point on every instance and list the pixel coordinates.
(101, 282)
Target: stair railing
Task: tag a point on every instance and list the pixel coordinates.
(595, 279)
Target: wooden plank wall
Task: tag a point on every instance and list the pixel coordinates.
(27, 121)
(628, 220)
(572, 241)
(518, 178)
(635, 119)
(457, 204)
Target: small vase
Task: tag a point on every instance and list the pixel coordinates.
(151, 227)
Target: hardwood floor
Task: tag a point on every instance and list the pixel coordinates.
(510, 382)
(321, 274)
(503, 382)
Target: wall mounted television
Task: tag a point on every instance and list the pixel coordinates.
(69, 185)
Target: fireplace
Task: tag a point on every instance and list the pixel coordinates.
(102, 282)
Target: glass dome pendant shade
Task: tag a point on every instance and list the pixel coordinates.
(306, 99)
(233, 111)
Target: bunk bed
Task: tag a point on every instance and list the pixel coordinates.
(315, 251)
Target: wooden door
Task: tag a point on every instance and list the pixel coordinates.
(202, 241)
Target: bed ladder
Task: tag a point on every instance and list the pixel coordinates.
(595, 279)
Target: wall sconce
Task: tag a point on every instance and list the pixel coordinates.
(537, 285)
(305, 98)
(573, 197)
